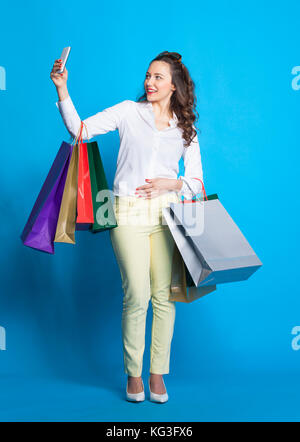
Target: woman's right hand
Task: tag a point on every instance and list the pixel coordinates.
(60, 80)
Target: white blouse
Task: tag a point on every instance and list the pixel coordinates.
(145, 151)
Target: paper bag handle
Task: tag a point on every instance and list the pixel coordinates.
(79, 134)
(196, 199)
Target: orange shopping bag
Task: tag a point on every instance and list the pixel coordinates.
(84, 193)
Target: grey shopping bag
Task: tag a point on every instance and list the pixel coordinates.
(183, 288)
(224, 252)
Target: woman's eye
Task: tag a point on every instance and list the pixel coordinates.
(157, 76)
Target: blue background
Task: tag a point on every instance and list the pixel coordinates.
(232, 356)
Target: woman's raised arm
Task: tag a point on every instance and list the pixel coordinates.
(102, 122)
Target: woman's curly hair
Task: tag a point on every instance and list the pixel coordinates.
(183, 100)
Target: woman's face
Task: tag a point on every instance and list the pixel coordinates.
(158, 78)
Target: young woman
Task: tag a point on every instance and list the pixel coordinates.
(155, 132)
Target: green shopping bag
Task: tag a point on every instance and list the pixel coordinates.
(104, 216)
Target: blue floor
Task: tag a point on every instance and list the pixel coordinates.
(231, 398)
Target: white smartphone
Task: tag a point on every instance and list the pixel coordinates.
(64, 57)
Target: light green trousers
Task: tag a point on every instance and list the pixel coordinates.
(143, 247)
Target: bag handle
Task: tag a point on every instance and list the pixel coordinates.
(196, 199)
(83, 124)
(79, 134)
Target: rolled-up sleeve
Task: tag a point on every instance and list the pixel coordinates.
(102, 122)
(193, 171)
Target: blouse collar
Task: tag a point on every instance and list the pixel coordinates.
(172, 121)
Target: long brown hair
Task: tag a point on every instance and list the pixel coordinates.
(183, 100)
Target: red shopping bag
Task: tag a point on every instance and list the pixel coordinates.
(84, 194)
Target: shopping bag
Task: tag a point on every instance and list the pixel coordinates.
(104, 216)
(40, 228)
(223, 252)
(182, 287)
(84, 192)
(65, 229)
(193, 263)
(84, 208)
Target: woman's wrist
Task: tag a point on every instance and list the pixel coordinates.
(62, 92)
(177, 185)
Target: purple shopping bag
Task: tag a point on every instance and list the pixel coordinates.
(39, 231)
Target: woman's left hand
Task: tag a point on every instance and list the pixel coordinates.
(156, 186)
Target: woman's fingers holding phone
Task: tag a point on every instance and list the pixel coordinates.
(56, 66)
(64, 74)
(57, 78)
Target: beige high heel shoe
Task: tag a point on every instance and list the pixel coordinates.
(155, 397)
(135, 397)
